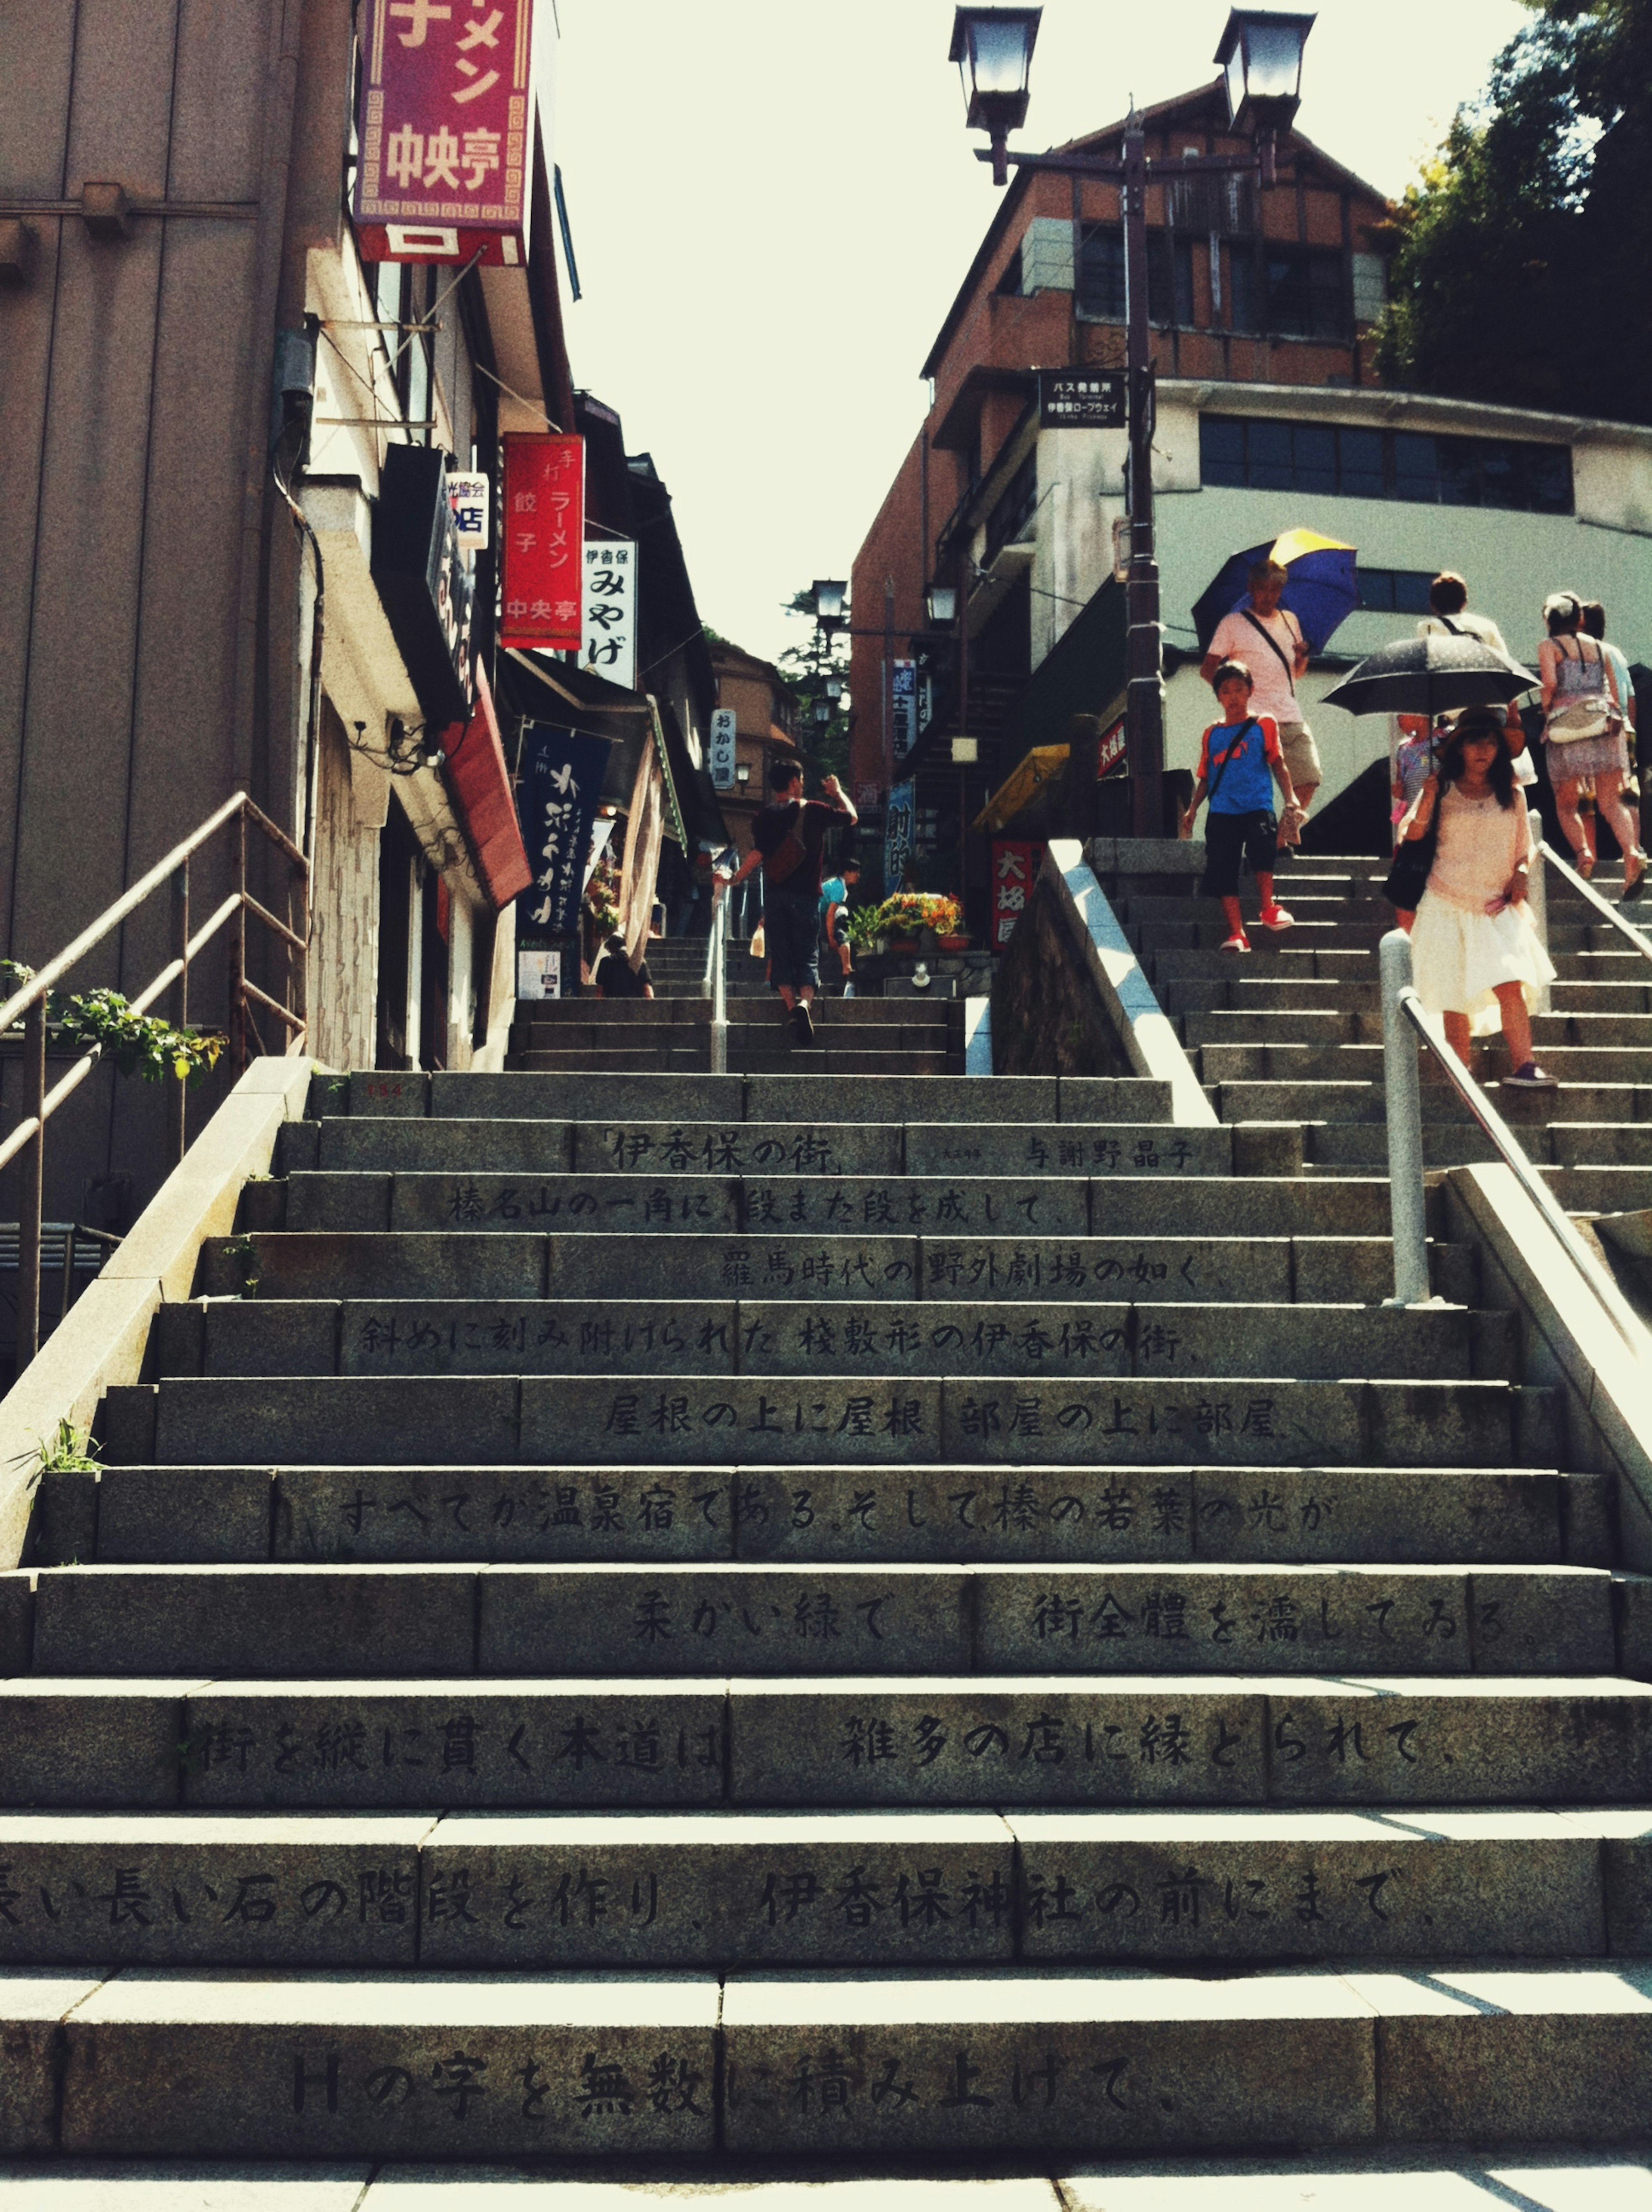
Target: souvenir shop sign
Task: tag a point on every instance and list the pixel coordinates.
(542, 542)
(610, 611)
(446, 113)
(897, 836)
(557, 798)
(1015, 871)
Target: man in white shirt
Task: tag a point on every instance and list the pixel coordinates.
(1269, 641)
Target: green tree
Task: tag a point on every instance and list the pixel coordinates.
(811, 670)
(1516, 274)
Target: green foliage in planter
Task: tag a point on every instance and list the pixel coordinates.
(138, 1044)
(908, 912)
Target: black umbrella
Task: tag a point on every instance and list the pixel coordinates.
(1430, 676)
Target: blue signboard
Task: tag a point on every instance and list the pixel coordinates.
(897, 836)
(556, 801)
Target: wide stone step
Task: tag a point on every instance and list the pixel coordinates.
(867, 1418)
(637, 1892)
(83, 1742)
(1356, 1099)
(781, 1264)
(1053, 1201)
(756, 1059)
(654, 1336)
(680, 1620)
(1558, 1034)
(1623, 1069)
(847, 1514)
(854, 2066)
(687, 1147)
(822, 1100)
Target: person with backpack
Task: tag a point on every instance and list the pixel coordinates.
(787, 838)
(1477, 959)
(1584, 734)
(1236, 759)
(1268, 638)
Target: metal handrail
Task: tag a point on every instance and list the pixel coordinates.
(30, 1004)
(716, 975)
(1404, 1013)
(1608, 912)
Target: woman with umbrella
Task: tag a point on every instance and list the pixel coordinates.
(1583, 732)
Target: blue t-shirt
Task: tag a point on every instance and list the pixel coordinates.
(1245, 784)
(832, 893)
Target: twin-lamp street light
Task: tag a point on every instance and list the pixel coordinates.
(1261, 57)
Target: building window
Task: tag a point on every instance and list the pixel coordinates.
(1305, 295)
(1102, 293)
(1261, 454)
(1015, 506)
(1395, 590)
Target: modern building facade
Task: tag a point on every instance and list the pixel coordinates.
(1270, 415)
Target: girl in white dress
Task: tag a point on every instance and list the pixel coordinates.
(1478, 960)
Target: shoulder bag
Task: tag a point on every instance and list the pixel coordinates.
(1414, 864)
(788, 856)
(1273, 645)
(1241, 730)
(1588, 710)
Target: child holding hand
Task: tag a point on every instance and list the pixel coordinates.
(1239, 755)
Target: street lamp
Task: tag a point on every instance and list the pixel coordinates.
(941, 604)
(830, 591)
(1261, 56)
(992, 48)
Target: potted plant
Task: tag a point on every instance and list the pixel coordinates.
(901, 918)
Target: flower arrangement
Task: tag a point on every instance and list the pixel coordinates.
(602, 897)
(908, 912)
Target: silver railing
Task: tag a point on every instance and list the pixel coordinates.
(1603, 906)
(716, 977)
(1405, 1019)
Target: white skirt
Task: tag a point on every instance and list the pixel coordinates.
(1459, 958)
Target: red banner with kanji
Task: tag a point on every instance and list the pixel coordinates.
(445, 124)
(542, 541)
(1015, 871)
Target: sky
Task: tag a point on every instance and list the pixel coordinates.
(773, 202)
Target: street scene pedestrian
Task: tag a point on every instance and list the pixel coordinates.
(1239, 755)
(1585, 719)
(1478, 960)
(835, 894)
(788, 839)
(615, 976)
(1268, 638)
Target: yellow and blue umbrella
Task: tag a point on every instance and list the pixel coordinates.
(1320, 585)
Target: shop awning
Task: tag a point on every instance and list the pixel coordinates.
(480, 788)
(1028, 777)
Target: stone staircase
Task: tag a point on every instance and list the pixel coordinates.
(678, 965)
(1294, 1031)
(853, 1037)
(760, 1626)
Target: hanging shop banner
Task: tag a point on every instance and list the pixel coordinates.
(467, 488)
(445, 120)
(1111, 755)
(903, 705)
(1015, 871)
(422, 581)
(724, 730)
(610, 646)
(556, 798)
(542, 542)
(897, 836)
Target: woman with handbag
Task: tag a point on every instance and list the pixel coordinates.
(1477, 959)
(1583, 732)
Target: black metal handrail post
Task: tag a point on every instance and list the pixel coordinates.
(31, 1203)
(180, 999)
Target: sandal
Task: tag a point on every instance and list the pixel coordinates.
(1634, 885)
(1585, 865)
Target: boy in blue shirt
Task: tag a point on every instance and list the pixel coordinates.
(1239, 755)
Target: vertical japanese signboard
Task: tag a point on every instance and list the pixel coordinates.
(467, 493)
(542, 542)
(1015, 871)
(723, 734)
(610, 611)
(446, 114)
(903, 705)
(897, 836)
(557, 798)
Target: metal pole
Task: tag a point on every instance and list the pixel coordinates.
(1406, 1202)
(1537, 897)
(238, 959)
(34, 1189)
(180, 1001)
(720, 985)
(1145, 664)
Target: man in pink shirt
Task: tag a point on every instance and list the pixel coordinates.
(1269, 640)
